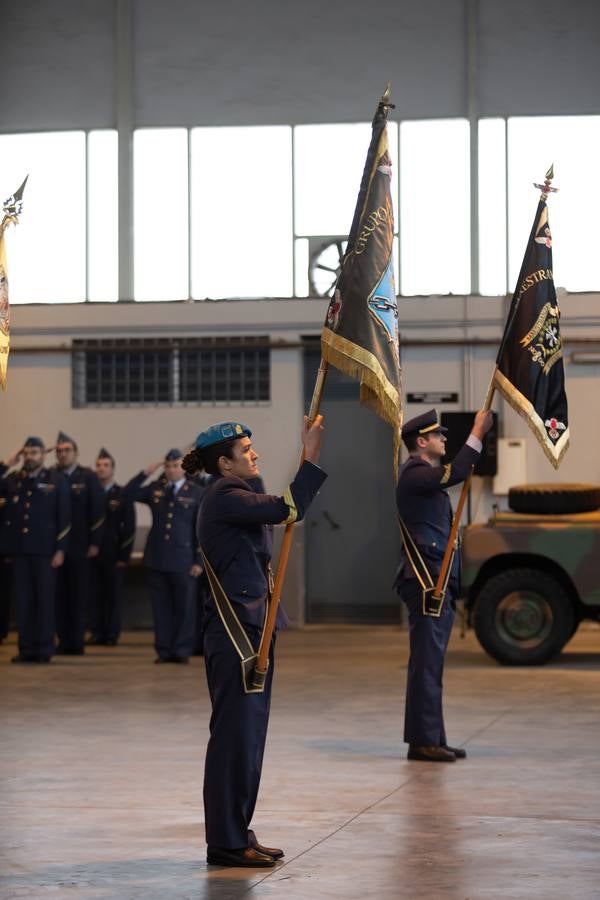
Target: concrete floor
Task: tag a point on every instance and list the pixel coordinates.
(101, 760)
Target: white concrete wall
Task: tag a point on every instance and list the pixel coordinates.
(38, 399)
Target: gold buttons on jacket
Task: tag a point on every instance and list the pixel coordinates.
(169, 515)
(25, 530)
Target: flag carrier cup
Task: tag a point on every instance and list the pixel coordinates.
(433, 594)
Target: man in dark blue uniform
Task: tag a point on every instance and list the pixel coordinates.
(171, 555)
(426, 519)
(6, 569)
(118, 536)
(35, 532)
(87, 520)
(235, 532)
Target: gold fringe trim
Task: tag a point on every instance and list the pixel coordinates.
(377, 393)
(525, 409)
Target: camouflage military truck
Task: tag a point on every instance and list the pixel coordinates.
(532, 574)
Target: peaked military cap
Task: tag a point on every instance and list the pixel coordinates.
(222, 431)
(63, 438)
(34, 442)
(423, 424)
(104, 454)
(174, 453)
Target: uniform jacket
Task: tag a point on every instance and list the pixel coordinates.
(118, 533)
(37, 514)
(424, 505)
(87, 510)
(171, 545)
(235, 530)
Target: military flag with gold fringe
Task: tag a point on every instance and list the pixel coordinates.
(360, 334)
(11, 211)
(529, 368)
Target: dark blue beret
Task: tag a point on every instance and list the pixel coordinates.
(174, 453)
(222, 431)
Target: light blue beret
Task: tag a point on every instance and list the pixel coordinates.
(222, 431)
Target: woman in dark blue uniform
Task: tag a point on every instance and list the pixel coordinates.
(235, 527)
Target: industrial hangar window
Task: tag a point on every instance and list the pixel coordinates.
(171, 371)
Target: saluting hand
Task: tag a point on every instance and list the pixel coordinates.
(14, 458)
(151, 469)
(311, 438)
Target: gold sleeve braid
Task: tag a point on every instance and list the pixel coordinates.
(447, 473)
(97, 524)
(63, 533)
(289, 500)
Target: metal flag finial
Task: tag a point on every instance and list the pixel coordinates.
(384, 104)
(546, 188)
(13, 205)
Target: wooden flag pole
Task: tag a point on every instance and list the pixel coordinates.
(438, 593)
(262, 662)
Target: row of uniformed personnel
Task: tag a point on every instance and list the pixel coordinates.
(66, 533)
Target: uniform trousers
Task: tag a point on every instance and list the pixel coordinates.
(72, 599)
(6, 588)
(105, 618)
(174, 609)
(429, 636)
(35, 583)
(238, 731)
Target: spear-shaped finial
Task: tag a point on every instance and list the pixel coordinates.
(384, 103)
(545, 188)
(13, 205)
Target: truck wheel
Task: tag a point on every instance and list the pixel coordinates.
(554, 499)
(523, 617)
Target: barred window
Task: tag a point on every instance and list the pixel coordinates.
(169, 371)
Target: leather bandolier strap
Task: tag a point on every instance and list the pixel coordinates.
(432, 605)
(235, 630)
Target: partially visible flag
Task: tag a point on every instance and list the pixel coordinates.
(360, 334)
(529, 368)
(11, 211)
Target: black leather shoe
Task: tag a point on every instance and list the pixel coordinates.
(273, 852)
(22, 658)
(162, 659)
(458, 751)
(181, 660)
(430, 754)
(247, 858)
(110, 642)
(94, 641)
(43, 659)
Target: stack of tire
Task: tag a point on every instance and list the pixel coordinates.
(548, 614)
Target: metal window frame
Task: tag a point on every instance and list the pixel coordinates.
(254, 366)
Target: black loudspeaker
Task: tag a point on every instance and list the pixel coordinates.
(459, 426)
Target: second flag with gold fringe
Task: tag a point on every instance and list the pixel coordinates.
(360, 334)
(529, 369)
